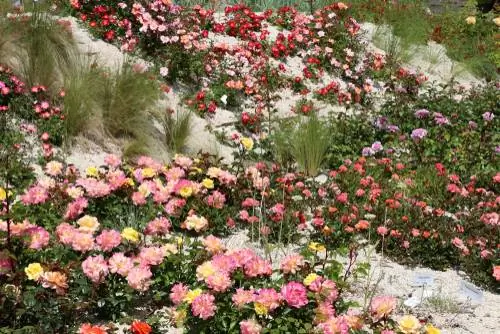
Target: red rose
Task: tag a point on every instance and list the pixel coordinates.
(140, 327)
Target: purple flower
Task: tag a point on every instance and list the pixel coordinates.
(472, 125)
(422, 113)
(418, 134)
(497, 150)
(381, 122)
(377, 147)
(488, 116)
(392, 128)
(440, 119)
(367, 152)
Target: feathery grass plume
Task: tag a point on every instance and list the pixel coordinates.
(5, 6)
(304, 140)
(177, 128)
(396, 50)
(7, 34)
(44, 49)
(135, 148)
(309, 144)
(281, 142)
(127, 99)
(82, 85)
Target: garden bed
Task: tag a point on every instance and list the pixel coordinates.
(331, 158)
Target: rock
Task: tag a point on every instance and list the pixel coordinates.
(321, 179)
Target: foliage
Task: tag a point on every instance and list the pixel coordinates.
(177, 130)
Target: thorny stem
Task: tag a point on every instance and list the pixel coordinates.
(326, 258)
(7, 199)
(352, 259)
(281, 222)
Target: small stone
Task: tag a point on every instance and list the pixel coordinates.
(321, 179)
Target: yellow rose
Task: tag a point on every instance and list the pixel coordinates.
(130, 234)
(260, 309)
(208, 183)
(170, 249)
(191, 295)
(429, 329)
(88, 224)
(496, 20)
(34, 271)
(471, 20)
(186, 192)
(314, 246)
(148, 172)
(196, 223)
(92, 171)
(205, 270)
(310, 279)
(247, 143)
(409, 324)
(214, 172)
(196, 170)
(3, 194)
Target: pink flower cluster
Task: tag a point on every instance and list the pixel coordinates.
(35, 237)
(136, 270)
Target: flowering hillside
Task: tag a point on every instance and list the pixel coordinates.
(335, 147)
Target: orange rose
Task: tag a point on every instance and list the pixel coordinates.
(140, 327)
(89, 329)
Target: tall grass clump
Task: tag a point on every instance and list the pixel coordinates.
(396, 49)
(309, 144)
(82, 85)
(127, 99)
(6, 39)
(305, 141)
(44, 49)
(102, 103)
(176, 127)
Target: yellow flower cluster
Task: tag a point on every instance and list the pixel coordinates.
(130, 234)
(317, 247)
(192, 294)
(260, 309)
(208, 183)
(148, 173)
(34, 271)
(409, 324)
(471, 20)
(92, 171)
(310, 279)
(247, 143)
(88, 224)
(186, 192)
